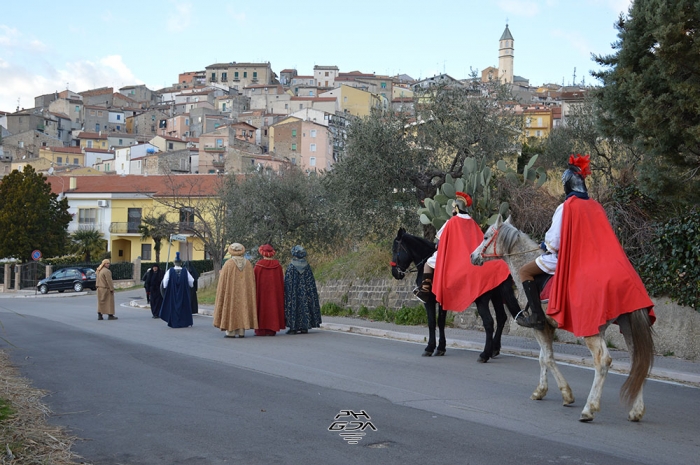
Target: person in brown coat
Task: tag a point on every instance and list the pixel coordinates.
(235, 306)
(105, 291)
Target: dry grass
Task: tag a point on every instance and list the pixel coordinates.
(26, 436)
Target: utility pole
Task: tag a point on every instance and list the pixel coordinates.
(574, 83)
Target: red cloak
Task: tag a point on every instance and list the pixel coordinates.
(269, 290)
(458, 283)
(594, 281)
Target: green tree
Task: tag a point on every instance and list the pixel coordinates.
(156, 227)
(88, 243)
(651, 92)
(282, 209)
(31, 217)
(395, 160)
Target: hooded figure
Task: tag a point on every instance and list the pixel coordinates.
(176, 309)
(301, 308)
(235, 306)
(156, 278)
(194, 303)
(105, 291)
(269, 284)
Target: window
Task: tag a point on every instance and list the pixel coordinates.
(313, 133)
(294, 161)
(286, 106)
(213, 77)
(87, 217)
(539, 122)
(294, 132)
(119, 128)
(186, 218)
(235, 75)
(312, 147)
(89, 144)
(121, 141)
(383, 85)
(59, 160)
(97, 127)
(219, 142)
(75, 161)
(245, 74)
(311, 93)
(133, 220)
(99, 113)
(301, 106)
(92, 112)
(255, 74)
(170, 145)
(224, 77)
(119, 117)
(145, 251)
(312, 161)
(187, 121)
(294, 147)
(326, 73)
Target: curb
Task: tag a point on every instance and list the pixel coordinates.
(5, 295)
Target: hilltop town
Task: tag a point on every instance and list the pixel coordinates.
(231, 117)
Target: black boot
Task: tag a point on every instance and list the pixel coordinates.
(425, 289)
(536, 319)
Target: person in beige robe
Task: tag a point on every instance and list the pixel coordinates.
(235, 306)
(105, 291)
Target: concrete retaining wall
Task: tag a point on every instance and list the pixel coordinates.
(677, 328)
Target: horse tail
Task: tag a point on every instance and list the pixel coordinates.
(642, 354)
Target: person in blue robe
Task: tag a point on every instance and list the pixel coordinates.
(177, 307)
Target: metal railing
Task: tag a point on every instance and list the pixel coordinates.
(124, 228)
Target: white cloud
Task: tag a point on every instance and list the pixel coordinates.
(20, 82)
(8, 36)
(527, 8)
(180, 17)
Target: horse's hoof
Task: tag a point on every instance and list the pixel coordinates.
(482, 359)
(585, 418)
(440, 353)
(427, 353)
(496, 353)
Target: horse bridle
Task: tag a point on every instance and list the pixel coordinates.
(495, 253)
(409, 270)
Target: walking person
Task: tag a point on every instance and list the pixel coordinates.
(269, 285)
(177, 284)
(235, 306)
(147, 283)
(155, 281)
(105, 291)
(301, 307)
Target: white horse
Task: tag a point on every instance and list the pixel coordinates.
(504, 241)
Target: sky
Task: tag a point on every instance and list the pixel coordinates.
(48, 46)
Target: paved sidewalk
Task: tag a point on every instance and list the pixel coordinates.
(665, 368)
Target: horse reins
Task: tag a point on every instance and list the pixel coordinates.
(495, 253)
(409, 269)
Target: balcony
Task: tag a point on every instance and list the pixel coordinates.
(124, 228)
(214, 149)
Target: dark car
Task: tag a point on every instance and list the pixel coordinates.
(73, 278)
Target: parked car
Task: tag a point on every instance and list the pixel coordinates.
(73, 278)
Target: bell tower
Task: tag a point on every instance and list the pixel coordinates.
(505, 57)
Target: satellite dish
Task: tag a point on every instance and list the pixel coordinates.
(51, 170)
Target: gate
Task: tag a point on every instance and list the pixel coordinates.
(31, 273)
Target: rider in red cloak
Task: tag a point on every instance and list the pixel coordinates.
(457, 282)
(594, 280)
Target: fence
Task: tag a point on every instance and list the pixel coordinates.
(120, 270)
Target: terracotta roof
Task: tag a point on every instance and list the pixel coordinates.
(100, 91)
(195, 185)
(91, 135)
(242, 123)
(99, 151)
(288, 70)
(60, 115)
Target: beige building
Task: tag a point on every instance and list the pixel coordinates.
(240, 75)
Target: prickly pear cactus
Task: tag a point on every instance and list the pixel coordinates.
(538, 177)
(475, 181)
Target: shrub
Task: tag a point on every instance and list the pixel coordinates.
(672, 268)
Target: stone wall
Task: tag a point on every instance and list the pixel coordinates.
(677, 328)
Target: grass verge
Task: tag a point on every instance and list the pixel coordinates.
(406, 316)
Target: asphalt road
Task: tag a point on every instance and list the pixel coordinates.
(138, 392)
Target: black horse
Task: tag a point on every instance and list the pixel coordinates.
(408, 249)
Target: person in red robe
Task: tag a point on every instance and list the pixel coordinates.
(594, 280)
(457, 283)
(269, 285)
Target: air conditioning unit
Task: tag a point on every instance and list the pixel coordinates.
(102, 203)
